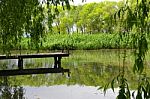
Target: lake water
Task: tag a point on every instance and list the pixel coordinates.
(90, 69)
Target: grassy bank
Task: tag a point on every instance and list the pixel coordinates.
(80, 41)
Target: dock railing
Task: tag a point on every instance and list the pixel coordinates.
(21, 71)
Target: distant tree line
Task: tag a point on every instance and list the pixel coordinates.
(88, 18)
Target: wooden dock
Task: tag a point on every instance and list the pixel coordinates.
(21, 71)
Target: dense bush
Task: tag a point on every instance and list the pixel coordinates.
(80, 41)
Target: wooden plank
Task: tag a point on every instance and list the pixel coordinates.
(32, 71)
(40, 55)
(8, 57)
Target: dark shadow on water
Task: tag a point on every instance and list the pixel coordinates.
(7, 91)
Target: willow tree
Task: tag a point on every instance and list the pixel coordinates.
(26, 18)
(134, 21)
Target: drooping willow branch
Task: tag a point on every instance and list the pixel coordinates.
(135, 22)
(26, 18)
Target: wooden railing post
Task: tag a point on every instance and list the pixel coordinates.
(59, 62)
(55, 62)
(20, 63)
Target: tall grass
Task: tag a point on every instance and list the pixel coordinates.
(85, 41)
(80, 42)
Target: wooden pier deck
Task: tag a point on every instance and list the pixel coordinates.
(21, 71)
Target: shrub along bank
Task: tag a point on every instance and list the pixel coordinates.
(80, 42)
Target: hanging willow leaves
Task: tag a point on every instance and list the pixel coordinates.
(21, 18)
(133, 19)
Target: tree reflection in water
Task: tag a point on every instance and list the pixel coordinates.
(88, 68)
(8, 91)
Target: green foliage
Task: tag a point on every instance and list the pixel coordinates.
(124, 91)
(134, 21)
(89, 18)
(79, 41)
(85, 41)
(143, 88)
(21, 18)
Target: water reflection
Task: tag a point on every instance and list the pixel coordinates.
(88, 68)
(7, 91)
(67, 92)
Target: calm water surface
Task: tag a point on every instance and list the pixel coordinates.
(89, 70)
